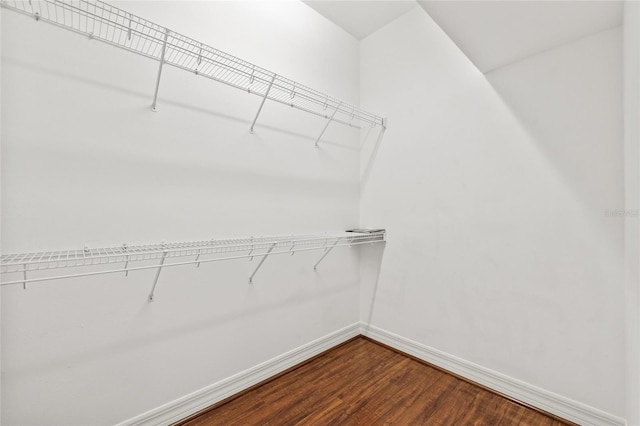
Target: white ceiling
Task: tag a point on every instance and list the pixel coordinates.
(491, 33)
(361, 18)
(495, 33)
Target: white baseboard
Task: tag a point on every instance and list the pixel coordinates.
(514, 388)
(190, 404)
(550, 402)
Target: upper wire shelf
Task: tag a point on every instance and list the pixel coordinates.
(101, 21)
(175, 254)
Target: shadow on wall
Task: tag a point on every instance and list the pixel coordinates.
(569, 101)
(310, 137)
(132, 344)
(368, 154)
(371, 257)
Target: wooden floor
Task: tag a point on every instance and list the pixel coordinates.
(363, 383)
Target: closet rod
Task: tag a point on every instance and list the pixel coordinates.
(100, 21)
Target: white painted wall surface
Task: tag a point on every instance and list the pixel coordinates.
(493, 34)
(85, 161)
(631, 97)
(494, 189)
(1, 13)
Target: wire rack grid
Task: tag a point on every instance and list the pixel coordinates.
(237, 248)
(101, 21)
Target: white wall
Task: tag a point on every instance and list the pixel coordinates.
(631, 96)
(85, 161)
(494, 190)
(1, 13)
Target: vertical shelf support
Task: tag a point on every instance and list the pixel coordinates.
(326, 252)
(24, 276)
(261, 262)
(328, 122)
(250, 255)
(197, 258)
(164, 50)
(126, 262)
(264, 98)
(155, 281)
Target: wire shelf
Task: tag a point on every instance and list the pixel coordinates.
(101, 21)
(221, 250)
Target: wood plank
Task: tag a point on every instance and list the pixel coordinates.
(408, 394)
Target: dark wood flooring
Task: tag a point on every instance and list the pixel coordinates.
(364, 383)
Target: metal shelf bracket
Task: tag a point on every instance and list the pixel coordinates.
(266, 94)
(126, 263)
(155, 281)
(328, 122)
(262, 261)
(250, 255)
(24, 275)
(197, 258)
(164, 50)
(326, 252)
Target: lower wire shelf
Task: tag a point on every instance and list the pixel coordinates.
(176, 254)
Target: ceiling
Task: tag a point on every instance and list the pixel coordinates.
(361, 18)
(495, 33)
(491, 33)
